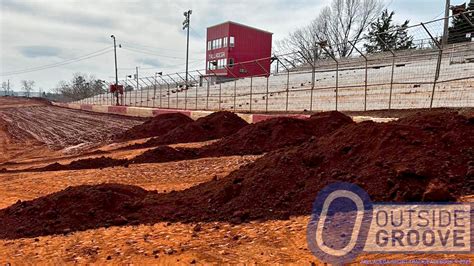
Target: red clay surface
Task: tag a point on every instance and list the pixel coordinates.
(391, 161)
(258, 138)
(234, 209)
(60, 128)
(214, 126)
(156, 126)
(276, 133)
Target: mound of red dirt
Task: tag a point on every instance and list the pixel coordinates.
(88, 163)
(72, 209)
(164, 154)
(156, 126)
(156, 155)
(213, 126)
(392, 161)
(276, 133)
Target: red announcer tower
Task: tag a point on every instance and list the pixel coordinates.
(230, 44)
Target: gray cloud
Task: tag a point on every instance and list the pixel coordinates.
(39, 51)
(36, 33)
(150, 62)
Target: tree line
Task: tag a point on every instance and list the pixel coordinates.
(346, 24)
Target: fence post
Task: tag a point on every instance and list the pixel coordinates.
(141, 96)
(267, 74)
(235, 82)
(391, 83)
(154, 92)
(313, 78)
(287, 88)
(366, 69)
(250, 104)
(207, 96)
(185, 93)
(177, 87)
(266, 97)
(337, 72)
(124, 92)
(147, 96)
(438, 64)
(201, 76)
(287, 83)
(161, 93)
(337, 84)
(393, 70)
(235, 94)
(148, 89)
(220, 95)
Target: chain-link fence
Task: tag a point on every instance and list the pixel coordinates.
(22, 93)
(424, 74)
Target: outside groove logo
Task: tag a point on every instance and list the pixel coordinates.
(344, 223)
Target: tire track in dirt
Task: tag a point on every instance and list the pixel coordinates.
(60, 128)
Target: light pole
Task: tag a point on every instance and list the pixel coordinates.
(186, 25)
(116, 71)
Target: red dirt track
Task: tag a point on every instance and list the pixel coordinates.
(59, 128)
(85, 188)
(392, 161)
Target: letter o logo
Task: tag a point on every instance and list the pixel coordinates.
(340, 220)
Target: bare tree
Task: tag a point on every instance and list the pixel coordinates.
(342, 22)
(81, 86)
(5, 88)
(27, 86)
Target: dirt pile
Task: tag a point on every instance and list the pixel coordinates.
(75, 208)
(213, 126)
(88, 163)
(156, 126)
(165, 154)
(392, 161)
(156, 155)
(276, 133)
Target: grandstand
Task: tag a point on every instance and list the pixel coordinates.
(400, 81)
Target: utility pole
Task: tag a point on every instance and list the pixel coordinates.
(116, 72)
(186, 25)
(446, 23)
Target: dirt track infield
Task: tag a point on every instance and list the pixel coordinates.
(268, 242)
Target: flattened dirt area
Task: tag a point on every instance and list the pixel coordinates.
(57, 128)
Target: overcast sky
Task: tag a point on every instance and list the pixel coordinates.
(36, 33)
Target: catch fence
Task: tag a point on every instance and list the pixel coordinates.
(427, 74)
